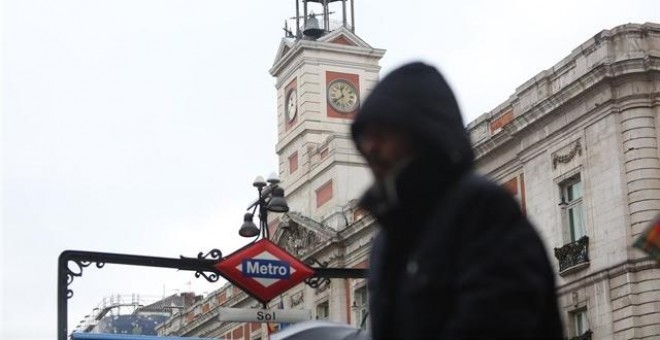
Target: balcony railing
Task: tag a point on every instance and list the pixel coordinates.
(573, 256)
(585, 336)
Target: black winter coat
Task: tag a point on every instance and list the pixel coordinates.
(455, 257)
(477, 270)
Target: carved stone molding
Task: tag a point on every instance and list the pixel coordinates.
(565, 158)
(297, 299)
(298, 240)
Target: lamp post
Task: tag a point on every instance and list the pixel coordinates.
(71, 263)
(271, 198)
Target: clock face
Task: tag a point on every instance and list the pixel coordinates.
(343, 96)
(291, 105)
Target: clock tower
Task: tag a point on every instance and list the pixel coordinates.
(323, 71)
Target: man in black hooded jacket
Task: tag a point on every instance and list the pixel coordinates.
(455, 257)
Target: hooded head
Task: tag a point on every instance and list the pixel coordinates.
(415, 105)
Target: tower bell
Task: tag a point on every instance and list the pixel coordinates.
(311, 28)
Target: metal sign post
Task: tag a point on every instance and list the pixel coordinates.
(71, 264)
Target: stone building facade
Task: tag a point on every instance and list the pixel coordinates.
(578, 145)
(320, 82)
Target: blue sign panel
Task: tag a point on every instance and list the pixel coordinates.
(268, 269)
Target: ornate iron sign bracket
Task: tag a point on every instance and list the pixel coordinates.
(203, 265)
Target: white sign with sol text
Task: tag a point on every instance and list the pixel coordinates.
(263, 315)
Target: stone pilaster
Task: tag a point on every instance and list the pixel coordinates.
(642, 165)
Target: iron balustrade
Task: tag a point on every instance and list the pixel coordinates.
(573, 254)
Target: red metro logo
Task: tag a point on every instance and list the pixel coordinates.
(263, 270)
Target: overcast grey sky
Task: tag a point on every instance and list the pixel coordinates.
(137, 126)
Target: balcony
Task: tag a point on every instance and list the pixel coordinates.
(573, 256)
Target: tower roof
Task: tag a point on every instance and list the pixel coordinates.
(340, 40)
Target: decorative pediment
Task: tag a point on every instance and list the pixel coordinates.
(285, 46)
(344, 36)
(299, 234)
(341, 36)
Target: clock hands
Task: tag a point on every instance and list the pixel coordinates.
(342, 96)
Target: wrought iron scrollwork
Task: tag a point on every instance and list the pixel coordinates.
(210, 277)
(317, 282)
(312, 261)
(214, 254)
(573, 254)
(71, 274)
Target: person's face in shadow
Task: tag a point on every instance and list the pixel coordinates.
(384, 147)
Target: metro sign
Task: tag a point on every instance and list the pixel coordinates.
(263, 270)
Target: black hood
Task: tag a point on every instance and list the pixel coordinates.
(417, 99)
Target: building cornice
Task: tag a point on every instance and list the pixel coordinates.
(629, 266)
(612, 54)
(301, 46)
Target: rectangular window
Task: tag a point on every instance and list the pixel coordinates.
(571, 202)
(498, 123)
(324, 193)
(293, 162)
(516, 186)
(323, 310)
(580, 322)
(324, 153)
(361, 297)
(237, 333)
(360, 304)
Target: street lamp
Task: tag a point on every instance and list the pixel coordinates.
(271, 198)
